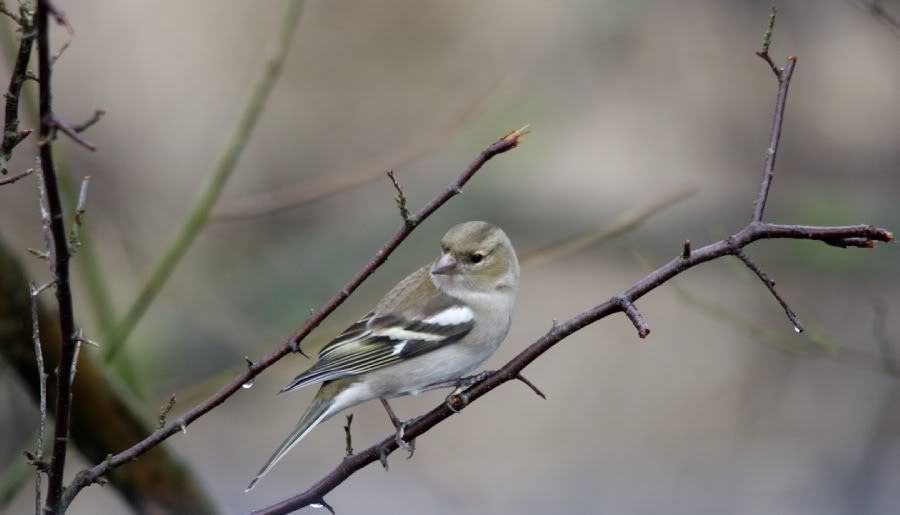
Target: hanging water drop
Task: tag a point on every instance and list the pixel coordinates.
(316, 506)
(183, 429)
(798, 329)
(247, 385)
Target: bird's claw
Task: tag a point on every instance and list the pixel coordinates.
(409, 446)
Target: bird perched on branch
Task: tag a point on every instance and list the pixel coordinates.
(431, 329)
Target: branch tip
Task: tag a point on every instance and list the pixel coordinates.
(770, 284)
(627, 306)
(531, 385)
(686, 250)
(348, 438)
(400, 199)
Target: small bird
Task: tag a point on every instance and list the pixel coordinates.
(432, 328)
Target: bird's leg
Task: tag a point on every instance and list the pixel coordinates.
(400, 426)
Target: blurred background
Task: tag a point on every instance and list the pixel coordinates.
(723, 409)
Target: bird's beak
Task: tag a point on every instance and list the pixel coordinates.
(445, 265)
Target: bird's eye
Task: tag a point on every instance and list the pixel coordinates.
(476, 258)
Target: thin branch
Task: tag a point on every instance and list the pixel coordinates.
(400, 198)
(732, 245)
(87, 477)
(14, 178)
(59, 262)
(770, 284)
(12, 135)
(70, 131)
(631, 311)
(876, 9)
(90, 122)
(216, 181)
(784, 80)
(767, 42)
(42, 385)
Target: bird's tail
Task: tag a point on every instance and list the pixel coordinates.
(322, 407)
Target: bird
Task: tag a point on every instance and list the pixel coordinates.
(435, 326)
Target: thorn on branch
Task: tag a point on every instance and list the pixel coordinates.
(400, 198)
(347, 436)
(770, 284)
(686, 250)
(531, 385)
(164, 412)
(631, 311)
(294, 345)
(14, 178)
(55, 57)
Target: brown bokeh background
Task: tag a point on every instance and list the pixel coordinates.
(723, 409)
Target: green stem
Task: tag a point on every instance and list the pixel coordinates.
(219, 176)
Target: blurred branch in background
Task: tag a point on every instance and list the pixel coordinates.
(859, 235)
(12, 135)
(627, 221)
(105, 422)
(216, 181)
(328, 185)
(877, 10)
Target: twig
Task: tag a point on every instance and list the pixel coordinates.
(770, 284)
(59, 268)
(90, 122)
(732, 245)
(12, 136)
(877, 11)
(216, 181)
(87, 477)
(767, 42)
(631, 311)
(347, 436)
(531, 385)
(42, 385)
(400, 198)
(164, 412)
(67, 129)
(784, 80)
(14, 178)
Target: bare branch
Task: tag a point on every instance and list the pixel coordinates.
(784, 80)
(59, 265)
(770, 284)
(631, 311)
(69, 131)
(767, 42)
(12, 135)
(14, 178)
(42, 385)
(90, 122)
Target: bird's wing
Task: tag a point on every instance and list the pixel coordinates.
(396, 330)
